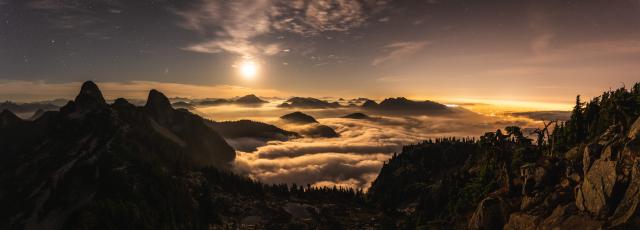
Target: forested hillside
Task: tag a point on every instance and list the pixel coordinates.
(582, 172)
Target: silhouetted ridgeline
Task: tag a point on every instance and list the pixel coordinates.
(92, 165)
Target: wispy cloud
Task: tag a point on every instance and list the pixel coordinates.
(233, 26)
(540, 43)
(397, 51)
(78, 15)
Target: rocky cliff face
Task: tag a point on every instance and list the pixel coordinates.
(598, 188)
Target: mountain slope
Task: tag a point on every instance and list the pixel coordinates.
(57, 164)
(585, 173)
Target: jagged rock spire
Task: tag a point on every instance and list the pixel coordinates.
(157, 100)
(90, 97)
(159, 106)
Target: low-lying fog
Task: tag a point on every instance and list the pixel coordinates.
(353, 159)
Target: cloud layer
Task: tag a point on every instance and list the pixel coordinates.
(355, 158)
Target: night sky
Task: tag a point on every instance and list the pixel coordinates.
(543, 51)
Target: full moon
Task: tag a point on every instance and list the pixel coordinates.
(248, 69)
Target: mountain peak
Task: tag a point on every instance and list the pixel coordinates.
(369, 103)
(159, 106)
(299, 117)
(157, 100)
(90, 97)
(8, 118)
(250, 99)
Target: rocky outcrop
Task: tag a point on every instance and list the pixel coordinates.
(491, 213)
(595, 192)
(634, 131)
(607, 188)
(521, 221)
(628, 207)
(158, 106)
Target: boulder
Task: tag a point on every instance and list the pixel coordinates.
(558, 216)
(491, 213)
(594, 193)
(634, 131)
(582, 222)
(591, 152)
(628, 206)
(522, 221)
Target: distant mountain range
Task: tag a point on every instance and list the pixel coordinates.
(27, 109)
(401, 105)
(308, 103)
(248, 100)
(545, 115)
(389, 106)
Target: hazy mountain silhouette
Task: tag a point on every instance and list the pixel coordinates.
(313, 128)
(183, 105)
(27, 108)
(299, 117)
(401, 105)
(248, 100)
(357, 116)
(545, 115)
(251, 129)
(308, 103)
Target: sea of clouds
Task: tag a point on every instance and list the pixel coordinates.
(352, 160)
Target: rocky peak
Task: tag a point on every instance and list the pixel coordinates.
(8, 118)
(634, 131)
(395, 100)
(157, 101)
(369, 103)
(90, 97)
(159, 106)
(250, 99)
